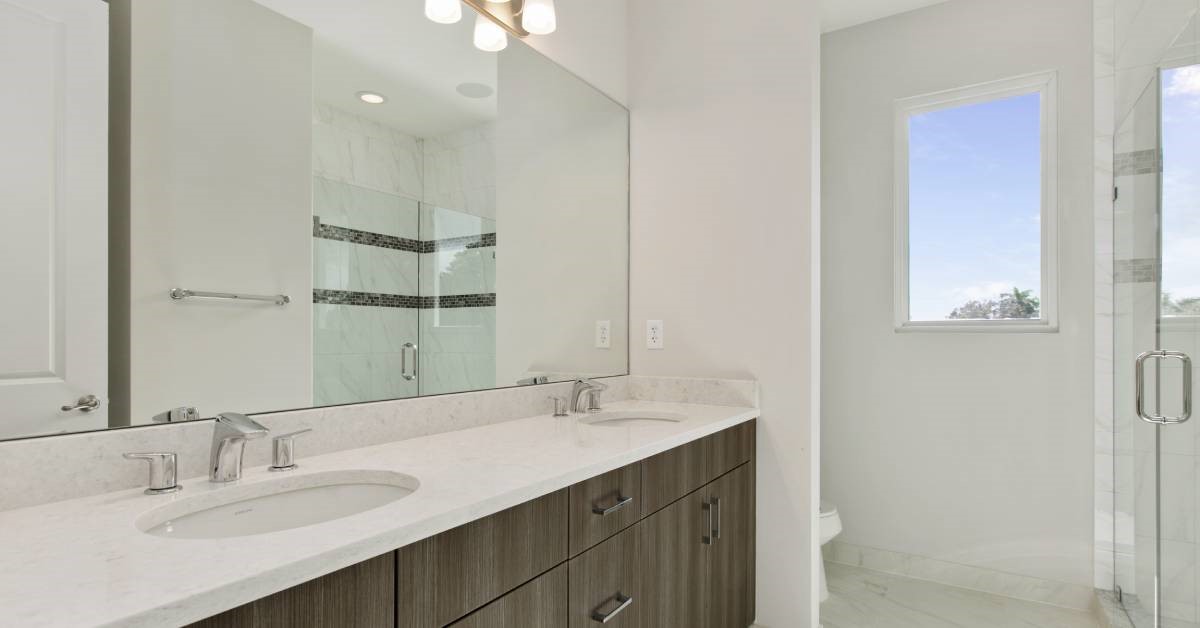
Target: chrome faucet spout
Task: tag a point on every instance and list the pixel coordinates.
(230, 433)
(585, 395)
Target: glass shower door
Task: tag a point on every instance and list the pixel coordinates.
(1157, 324)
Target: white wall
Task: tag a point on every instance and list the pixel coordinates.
(969, 448)
(592, 41)
(725, 246)
(222, 161)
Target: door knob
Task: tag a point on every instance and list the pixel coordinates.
(83, 404)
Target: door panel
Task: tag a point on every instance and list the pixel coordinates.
(674, 563)
(54, 171)
(731, 551)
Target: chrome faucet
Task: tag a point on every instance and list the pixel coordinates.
(584, 395)
(230, 432)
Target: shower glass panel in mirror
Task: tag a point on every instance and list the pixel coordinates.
(265, 205)
(1156, 302)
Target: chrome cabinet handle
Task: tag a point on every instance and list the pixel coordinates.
(621, 503)
(163, 473)
(1140, 387)
(707, 539)
(404, 361)
(623, 602)
(284, 451)
(716, 504)
(86, 403)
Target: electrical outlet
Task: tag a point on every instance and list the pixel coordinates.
(654, 334)
(603, 334)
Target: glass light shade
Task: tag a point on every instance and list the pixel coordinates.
(488, 36)
(443, 11)
(538, 17)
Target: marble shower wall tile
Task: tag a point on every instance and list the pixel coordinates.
(347, 205)
(339, 265)
(458, 350)
(42, 470)
(460, 171)
(353, 149)
(963, 576)
(717, 392)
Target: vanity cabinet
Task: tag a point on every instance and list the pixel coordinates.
(665, 542)
(359, 596)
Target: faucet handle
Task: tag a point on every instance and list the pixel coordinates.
(560, 406)
(177, 415)
(163, 472)
(284, 447)
(246, 426)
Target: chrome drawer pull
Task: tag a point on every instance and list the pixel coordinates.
(716, 504)
(707, 539)
(623, 603)
(621, 503)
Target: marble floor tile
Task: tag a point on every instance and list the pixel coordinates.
(860, 598)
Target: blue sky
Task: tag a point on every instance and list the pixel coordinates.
(1181, 192)
(974, 204)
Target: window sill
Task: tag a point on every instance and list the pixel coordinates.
(978, 327)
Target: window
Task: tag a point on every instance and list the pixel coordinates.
(1180, 181)
(975, 208)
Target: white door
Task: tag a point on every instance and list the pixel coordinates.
(53, 204)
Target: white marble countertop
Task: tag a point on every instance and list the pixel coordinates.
(83, 562)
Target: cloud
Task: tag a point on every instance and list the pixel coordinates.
(981, 292)
(1185, 82)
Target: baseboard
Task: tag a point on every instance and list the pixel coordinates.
(1011, 585)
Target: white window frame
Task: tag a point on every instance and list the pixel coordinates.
(1043, 83)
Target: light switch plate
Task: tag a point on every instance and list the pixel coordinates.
(654, 335)
(603, 334)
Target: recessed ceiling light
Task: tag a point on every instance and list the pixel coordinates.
(371, 98)
(475, 90)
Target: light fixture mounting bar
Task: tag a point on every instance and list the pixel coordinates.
(507, 15)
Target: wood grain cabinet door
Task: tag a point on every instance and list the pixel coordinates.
(361, 596)
(730, 519)
(674, 565)
(538, 604)
(606, 584)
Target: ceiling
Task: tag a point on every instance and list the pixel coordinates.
(839, 14)
(388, 47)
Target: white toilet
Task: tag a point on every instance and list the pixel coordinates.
(829, 525)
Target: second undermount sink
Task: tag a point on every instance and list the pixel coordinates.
(278, 505)
(630, 418)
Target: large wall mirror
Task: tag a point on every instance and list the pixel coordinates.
(264, 205)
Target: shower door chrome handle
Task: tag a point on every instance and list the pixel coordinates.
(1140, 392)
(404, 361)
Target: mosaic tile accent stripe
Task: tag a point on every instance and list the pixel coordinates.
(372, 299)
(354, 236)
(1137, 162)
(1140, 270)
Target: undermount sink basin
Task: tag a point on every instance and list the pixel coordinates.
(283, 504)
(632, 419)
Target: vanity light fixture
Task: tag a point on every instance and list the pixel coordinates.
(538, 17)
(443, 11)
(372, 98)
(489, 37)
(519, 18)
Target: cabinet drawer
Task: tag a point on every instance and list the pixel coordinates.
(671, 475)
(538, 604)
(730, 448)
(443, 578)
(607, 580)
(605, 505)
